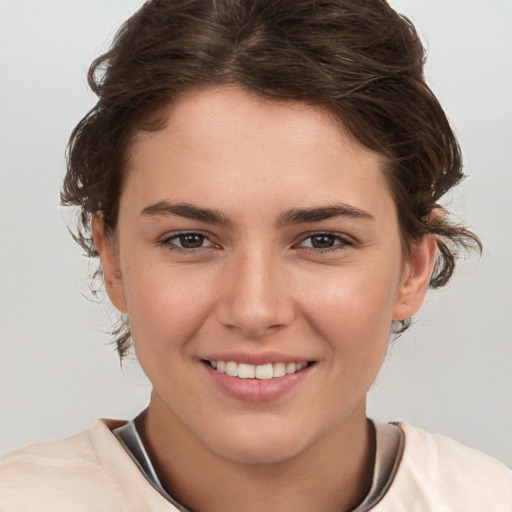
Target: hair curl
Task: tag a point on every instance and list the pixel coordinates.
(357, 58)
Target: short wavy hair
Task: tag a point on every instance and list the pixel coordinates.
(357, 58)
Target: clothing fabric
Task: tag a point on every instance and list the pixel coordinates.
(389, 442)
(93, 472)
(129, 437)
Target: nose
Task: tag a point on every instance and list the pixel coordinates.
(257, 295)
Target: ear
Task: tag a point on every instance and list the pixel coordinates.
(109, 258)
(416, 278)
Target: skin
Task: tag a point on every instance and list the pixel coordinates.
(257, 283)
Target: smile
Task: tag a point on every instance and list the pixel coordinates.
(250, 371)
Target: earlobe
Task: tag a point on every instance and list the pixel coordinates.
(109, 264)
(415, 282)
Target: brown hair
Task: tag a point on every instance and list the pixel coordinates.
(357, 58)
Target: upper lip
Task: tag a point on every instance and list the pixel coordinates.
(256, 359)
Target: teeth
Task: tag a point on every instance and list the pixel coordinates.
(246, 371)
(279, 370)
(231, 369)
(250, 371)
(264, 371)
(291, 368)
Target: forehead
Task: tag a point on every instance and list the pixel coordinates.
(203, 111)
(229, 142)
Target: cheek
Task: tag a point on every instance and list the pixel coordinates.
(353, 319)
(165, 307)
(351, 310)
(355, 300)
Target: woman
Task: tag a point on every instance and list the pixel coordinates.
(261, 181)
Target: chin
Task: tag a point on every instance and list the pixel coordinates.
(255, 445)
(251, 453)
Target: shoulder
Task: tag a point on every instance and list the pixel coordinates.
(68, 474)
(438, 473)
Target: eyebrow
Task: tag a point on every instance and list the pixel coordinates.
(188, 211)
(293, 216)
(299, 215)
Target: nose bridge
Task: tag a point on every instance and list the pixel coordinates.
(257, 298)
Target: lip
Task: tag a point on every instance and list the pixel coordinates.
(255, 390)
(256, 358)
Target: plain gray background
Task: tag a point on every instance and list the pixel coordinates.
(451, 374)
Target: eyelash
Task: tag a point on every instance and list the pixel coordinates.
(169, 241)
(341, 242)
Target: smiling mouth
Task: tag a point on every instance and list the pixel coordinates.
(262, 371)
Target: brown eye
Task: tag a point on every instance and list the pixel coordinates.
(323, 241)
(187, 241)
(190, 240)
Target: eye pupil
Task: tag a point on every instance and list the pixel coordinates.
(322, 241)
(191, 241)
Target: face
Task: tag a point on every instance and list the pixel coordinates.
(255, 237)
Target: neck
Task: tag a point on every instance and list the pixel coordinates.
(333, 474)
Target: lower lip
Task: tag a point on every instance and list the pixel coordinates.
(256, 390)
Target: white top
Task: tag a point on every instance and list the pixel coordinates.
(93, 472)
(389, 443)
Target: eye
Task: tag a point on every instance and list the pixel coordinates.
(325, 241)
(187, 240)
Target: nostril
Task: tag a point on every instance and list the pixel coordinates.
(255, 317)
